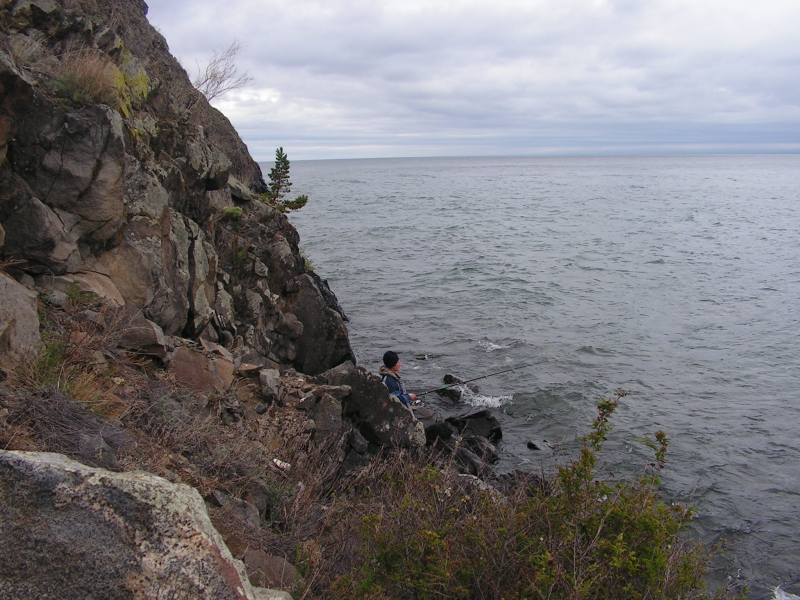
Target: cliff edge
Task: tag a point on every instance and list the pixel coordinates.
(115, 177)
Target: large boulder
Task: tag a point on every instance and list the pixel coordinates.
(144, 337)
(19, 322)
(327, 416)
(380, 417)
(323, 342)
(79, 532)
(200, 373)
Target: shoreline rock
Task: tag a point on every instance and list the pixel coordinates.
(81, 532)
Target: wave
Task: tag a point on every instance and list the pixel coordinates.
(781, 595)
(479, 400)
(491, 346)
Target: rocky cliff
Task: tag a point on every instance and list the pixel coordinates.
(115, 177)
(157, 318)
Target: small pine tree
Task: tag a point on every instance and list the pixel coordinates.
(279, 184)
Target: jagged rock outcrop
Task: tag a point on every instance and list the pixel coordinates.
(380, 417)
(116, 182)
(81, 532)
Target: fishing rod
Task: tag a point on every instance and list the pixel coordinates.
(447, 387)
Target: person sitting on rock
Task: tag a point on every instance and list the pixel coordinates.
(391, 379)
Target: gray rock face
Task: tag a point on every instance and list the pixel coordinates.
(29, 12)
(211, 166)
(323, 342)
(128, 199)
(94, 283)
(380, 417)
(74, 162)
(79, 532)
(144, 195)
(36, 232)
(168, 269)
(19, 322)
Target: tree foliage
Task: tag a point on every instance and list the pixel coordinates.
(280, 184)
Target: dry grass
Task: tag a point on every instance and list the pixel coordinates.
(27, 50)
(80, 355)
(67, 427)
(11, 262)
(87, 77)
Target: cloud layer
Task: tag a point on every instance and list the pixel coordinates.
(411, 78)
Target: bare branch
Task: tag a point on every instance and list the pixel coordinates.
(221, 74)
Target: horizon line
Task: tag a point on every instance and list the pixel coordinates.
(565, 154)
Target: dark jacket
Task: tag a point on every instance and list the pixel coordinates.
(396, 387)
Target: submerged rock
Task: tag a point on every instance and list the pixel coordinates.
(453, 393)
(479, 422)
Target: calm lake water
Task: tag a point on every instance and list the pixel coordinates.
(675, 279)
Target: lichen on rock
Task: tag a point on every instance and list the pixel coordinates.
(81, 532)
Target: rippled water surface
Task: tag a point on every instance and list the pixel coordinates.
(675, 279)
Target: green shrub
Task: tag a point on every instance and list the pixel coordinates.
(426, 532)
(232, 213)
(307, 264)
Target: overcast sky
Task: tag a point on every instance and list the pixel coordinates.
(361, 78)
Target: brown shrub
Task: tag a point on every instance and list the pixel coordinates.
(65, 426)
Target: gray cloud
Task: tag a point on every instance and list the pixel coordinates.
(393, 78)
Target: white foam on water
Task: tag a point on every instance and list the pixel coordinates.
(781, 595)
(491, 346)
(479, 400)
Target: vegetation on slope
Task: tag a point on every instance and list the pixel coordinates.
(405, 526)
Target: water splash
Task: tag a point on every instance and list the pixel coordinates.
(479, 400)
(491, 346)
